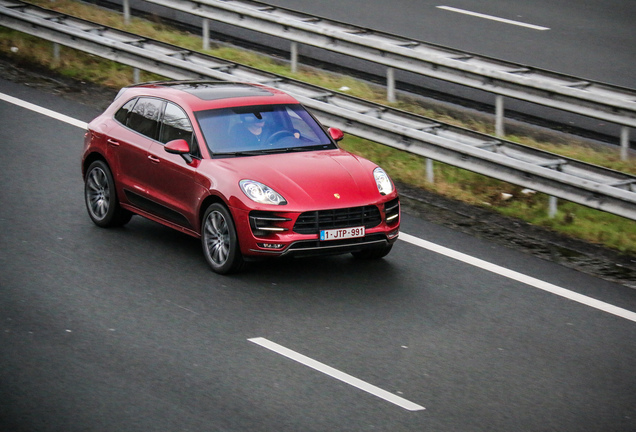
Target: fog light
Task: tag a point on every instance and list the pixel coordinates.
(271, 245)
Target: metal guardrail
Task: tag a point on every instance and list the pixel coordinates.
(594, 99)
(588, 98)
(586, 184)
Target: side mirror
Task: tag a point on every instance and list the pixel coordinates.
(336, 134)
(180, 147)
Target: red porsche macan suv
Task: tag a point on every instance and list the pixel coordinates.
(244, 167)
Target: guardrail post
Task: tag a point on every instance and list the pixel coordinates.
(390, 85)
(136, 75)
(205, 34)
(499, 116)
(430, 175)
(293, 53)
(56, 52)
(624, 143)
(552, 206)
(126, 12)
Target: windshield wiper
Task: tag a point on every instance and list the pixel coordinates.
(241, 153)
(308, 148)
(295, 149)
(263, 151)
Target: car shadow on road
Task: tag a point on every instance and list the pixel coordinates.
(178, 257)
(173, 265)
(157, 240)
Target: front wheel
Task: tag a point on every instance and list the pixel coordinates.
(101, 197)
(219, 240)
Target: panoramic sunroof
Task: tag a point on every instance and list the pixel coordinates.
(219, 90)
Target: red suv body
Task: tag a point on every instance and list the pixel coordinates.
(242, 166)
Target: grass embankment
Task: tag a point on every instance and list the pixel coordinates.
(572, 219)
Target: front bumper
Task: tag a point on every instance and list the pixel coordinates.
(280, 233)
(304, 248)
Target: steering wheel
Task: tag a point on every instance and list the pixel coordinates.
(276, 136)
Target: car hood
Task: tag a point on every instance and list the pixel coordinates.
(313, 179)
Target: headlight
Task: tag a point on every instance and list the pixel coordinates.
(260, 193)
(383, 181)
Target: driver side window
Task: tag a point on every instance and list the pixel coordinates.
(176, 125)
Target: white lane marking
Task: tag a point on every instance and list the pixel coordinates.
(334, 373)
(520, 277)
(493, 18)
(44, 111)
(537, 283)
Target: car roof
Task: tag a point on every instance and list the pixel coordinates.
(202, 95)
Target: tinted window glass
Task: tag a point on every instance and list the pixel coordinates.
(144, 118)
(302, 125)
(266, 128)
(122, 114)
(175, 125)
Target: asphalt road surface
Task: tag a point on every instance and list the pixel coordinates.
(128, 329)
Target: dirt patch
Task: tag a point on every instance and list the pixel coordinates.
(589, 258)
(34, 76)
(519, 235)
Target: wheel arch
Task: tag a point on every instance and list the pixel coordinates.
(90, 158)
(207, 202)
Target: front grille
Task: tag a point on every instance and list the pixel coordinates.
(314, 221)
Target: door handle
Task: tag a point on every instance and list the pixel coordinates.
(154, 159)
(113, 142)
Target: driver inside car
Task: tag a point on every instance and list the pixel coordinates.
(250, 130)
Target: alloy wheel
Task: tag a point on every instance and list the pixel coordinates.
(217, 238)
(98, 193)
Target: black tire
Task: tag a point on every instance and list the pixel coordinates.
(219, 240)
(373, 253)
(101, 197)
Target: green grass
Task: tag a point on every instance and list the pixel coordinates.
(573, 220)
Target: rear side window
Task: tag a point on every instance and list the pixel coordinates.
(144, 117)
(122, 113)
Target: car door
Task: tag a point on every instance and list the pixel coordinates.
(173, 178)
(129, 145)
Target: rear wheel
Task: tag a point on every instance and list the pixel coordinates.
(101, 197)
(373, 253)
(219, 240)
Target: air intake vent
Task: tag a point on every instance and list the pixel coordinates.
(314, 221)
(392, 211)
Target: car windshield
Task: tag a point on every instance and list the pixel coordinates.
(253, 130)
